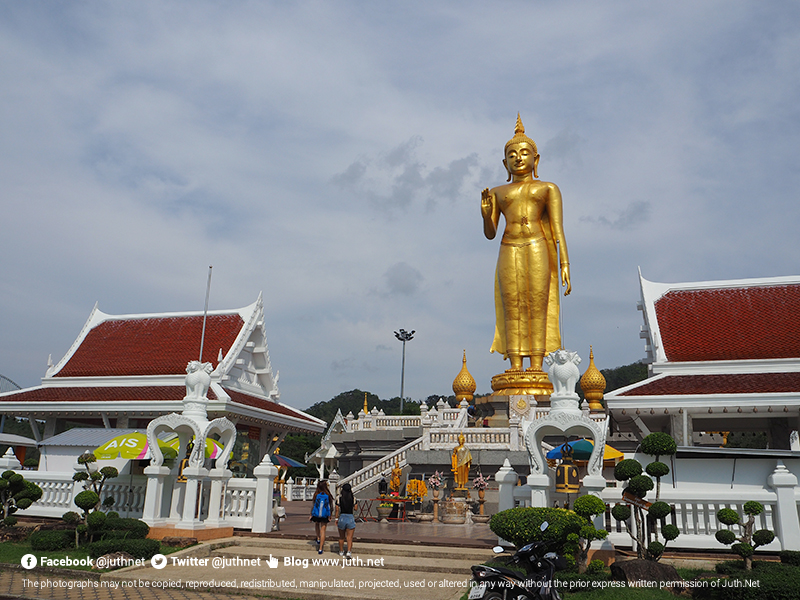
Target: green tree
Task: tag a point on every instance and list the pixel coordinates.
(746, 544)
(16, 494)
(626, 375)
(352, 401)
(296, 446)
(587, 507)
(630, 470)
(95, 480)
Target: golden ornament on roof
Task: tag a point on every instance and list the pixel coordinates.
(593, 384)
(464, 385)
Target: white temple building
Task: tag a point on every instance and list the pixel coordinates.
(122, 371)
(724, 357)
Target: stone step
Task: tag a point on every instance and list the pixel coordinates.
(378, 571)
(262, 547)
(361, 557)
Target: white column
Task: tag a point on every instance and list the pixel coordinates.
(787, 526)
(151, 513)
(333, 481)
(288, 488)
(265, 474)
(540, 489)
(194, 477)
(507, 478)
(216, 501)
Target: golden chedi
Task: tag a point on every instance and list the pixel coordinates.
(529, 269)
(464, 385)
(593, 384)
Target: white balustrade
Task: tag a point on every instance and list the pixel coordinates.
(240, 500)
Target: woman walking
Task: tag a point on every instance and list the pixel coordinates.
(346, 522)
(321, 512)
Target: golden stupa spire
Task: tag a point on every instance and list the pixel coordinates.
(593, 384)
(366, 410)
(464, 384)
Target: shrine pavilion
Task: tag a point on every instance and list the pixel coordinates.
(124, 370)
(724, 356)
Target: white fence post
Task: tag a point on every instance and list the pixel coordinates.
(333, 481)
(787, 525)
(265, 474)
(507, 478)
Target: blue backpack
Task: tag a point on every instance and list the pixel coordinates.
(322, 506)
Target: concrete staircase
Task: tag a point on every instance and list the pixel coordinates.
(375, 571)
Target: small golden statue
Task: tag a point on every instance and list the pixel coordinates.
(528, 268)
(394, 482)
(185, 463)
(461, 461)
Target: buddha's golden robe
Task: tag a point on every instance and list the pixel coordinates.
(526, 288)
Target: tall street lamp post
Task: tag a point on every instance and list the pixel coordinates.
(404, 336)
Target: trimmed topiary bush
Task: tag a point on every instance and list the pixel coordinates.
(659, 510)
(130, 528)
(646, 538)
(16, 494)
(625, 469)
(655, 550)
(621, 512)
(659, 444)
(725, 536)
(137, 548)
(52, 540)
(96, 519)
(766, 581)
(790, 557)
(71, 518)
(86, 500)
(746, 543)
(657, 469)
(586, 507)
(521, 526)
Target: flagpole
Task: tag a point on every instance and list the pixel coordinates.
(205, 313)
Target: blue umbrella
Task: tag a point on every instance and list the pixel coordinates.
(581, 450)
(284, 461)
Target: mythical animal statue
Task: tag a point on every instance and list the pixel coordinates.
(563, 372)
(198, 379)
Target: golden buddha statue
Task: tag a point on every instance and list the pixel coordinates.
(528, 266)
(461, 461)
(394, 482)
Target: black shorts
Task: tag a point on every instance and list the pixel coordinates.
(321, 519)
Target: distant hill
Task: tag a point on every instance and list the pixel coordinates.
(626, 375)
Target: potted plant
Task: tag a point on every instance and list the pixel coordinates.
(384, 510)
(434, 482)
(480, 483)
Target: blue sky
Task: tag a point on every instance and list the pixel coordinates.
(332, 155)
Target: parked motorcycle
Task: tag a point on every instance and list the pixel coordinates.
(536, 583)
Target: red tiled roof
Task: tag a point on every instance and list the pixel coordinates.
(150, 346)
(264, 404)
(102, 394)
(730, 323)
(739, 383)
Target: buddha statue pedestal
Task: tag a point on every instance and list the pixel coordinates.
(463, 494)
(455, 511)
(499, 409)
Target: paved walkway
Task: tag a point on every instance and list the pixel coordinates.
(477, 535)
(428, 561)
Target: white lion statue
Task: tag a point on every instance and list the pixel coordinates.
(198, 379)
(563, 372)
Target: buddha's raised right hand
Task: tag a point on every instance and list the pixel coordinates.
(487, 204)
